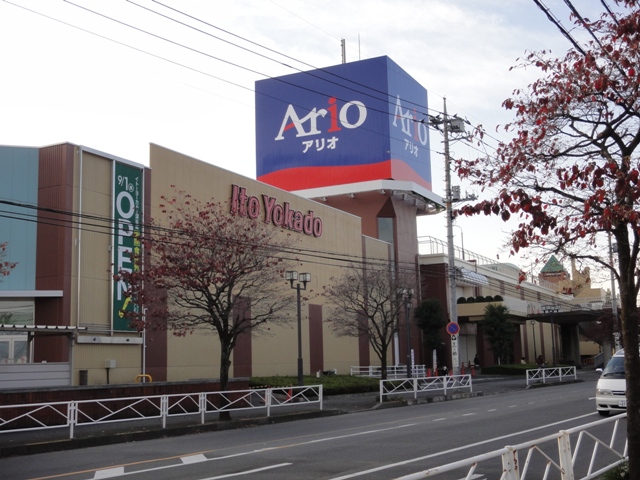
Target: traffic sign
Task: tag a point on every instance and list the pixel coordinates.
(453, 328)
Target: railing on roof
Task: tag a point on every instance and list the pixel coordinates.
(434, 246)
(564, 304)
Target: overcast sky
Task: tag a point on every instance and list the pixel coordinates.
(69, 74)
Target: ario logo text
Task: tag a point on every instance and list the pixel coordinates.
(338, 118)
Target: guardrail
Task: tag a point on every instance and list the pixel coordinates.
(395, 371)
(77, 413)
(544, 374)
(548, 457)
(424, 385)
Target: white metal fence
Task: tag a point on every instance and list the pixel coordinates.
(415, 386)
(77, 413)
(545, 374)
(598, 447)
(394, 371)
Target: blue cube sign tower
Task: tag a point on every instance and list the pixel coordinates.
(345, 124)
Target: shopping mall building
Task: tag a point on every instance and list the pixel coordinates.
(347, 147)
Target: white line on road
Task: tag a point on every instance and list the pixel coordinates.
(119, 471)
(248, 472)
(418, 459)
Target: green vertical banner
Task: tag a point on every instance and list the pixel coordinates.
(127, 234)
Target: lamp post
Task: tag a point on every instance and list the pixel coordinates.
(533, 331)
(551, 309)
(291, 276)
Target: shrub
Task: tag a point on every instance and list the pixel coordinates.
(488, 298)
(621, 472)
(462, 300)
(480, 299)
(498, 298)
(471, 300)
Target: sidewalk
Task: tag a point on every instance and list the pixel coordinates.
(50, 440)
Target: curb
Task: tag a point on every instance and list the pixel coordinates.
(59, 445)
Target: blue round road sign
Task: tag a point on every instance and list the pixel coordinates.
(453, 328)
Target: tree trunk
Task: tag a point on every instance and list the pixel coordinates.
(629, 319)
(225, 365)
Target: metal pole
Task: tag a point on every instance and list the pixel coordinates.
(614, 306)
(533, 330)
(407, 309)
(462, 241)
(453, 307)
(553, 340)
(300, 378)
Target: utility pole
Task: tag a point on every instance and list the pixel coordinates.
(448, 201)
(456, 125)
(614, 305)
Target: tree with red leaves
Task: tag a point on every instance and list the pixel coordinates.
(571, 173)
(206, 268)
(5, 266)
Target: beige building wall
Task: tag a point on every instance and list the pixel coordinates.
(91, 267)
(274, 351)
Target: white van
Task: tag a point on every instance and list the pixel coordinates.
(611, 388)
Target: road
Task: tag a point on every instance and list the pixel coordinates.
(380, 444)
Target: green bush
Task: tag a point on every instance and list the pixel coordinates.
(480, 299)
(331, 384)
(471, 300)
(509, 369)
(488, 298)
(621, 472)
(498, 298)
(462, 300)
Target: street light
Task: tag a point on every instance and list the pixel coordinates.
(291, 276)
(407, 295)
(533, 331)
(551, 309)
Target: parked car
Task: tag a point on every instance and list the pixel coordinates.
(611, 388)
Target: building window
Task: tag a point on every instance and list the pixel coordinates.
(14, 349)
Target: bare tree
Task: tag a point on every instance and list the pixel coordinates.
(366, 302)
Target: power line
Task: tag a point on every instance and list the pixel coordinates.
(107, 226)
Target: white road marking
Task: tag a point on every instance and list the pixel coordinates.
(467, 414)
(465, 447)
(248, 472)
(109, 472)
(119, 471)
(193, 459)
(438, 419)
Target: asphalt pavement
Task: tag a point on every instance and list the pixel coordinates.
(57, 439)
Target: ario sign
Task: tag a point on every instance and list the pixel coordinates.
(349, 123)
(274, 212)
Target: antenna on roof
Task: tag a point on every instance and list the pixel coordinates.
(344, 52)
